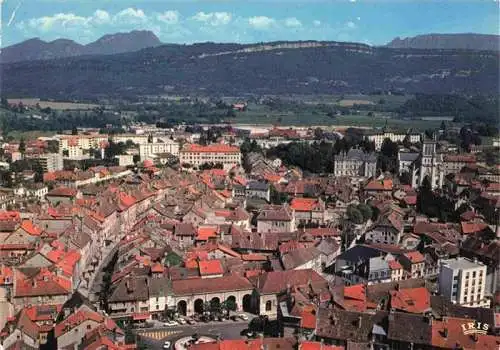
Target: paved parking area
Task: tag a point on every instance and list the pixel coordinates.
(153, 338)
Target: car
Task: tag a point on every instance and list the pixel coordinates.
(220, 318)
(234, 318)
(170, 323)
(181, 321)
(243, 317)
(190, 321)
(166, 345)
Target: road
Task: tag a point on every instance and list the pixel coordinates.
(153, 338)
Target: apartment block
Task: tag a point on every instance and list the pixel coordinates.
(463, 281)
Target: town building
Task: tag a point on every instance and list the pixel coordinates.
(49, 161)
(379, 137)
(151, 150)
(355, 163)
(463, 282)
(197, 155)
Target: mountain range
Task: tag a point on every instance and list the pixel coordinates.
(37, 49)
(467, 41)
(299, 67)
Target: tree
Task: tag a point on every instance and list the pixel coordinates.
(22, 146)
(366, 211)
(354, 215)
(277, 197)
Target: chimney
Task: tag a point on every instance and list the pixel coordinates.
(359, 321)
(445, 332)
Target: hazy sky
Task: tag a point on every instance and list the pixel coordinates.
(187, 21)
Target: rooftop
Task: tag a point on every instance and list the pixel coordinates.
(462, 263)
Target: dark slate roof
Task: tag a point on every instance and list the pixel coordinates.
(359, 253)
(409, 328)
(358, 154)
(408, 156)
(347, 325)
(257, 186)
(442, 307)
(137, 290)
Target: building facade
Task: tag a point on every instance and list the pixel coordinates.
(463, 281)
(355, 163)
(196, 155)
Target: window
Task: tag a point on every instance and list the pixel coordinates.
(473, 274)
(269, 305)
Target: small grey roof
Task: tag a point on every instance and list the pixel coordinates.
(257, 186)
(461, 264)
(408, 156)
(357, 154)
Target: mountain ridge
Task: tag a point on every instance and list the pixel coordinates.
(306, 67)
(460, 41)
(37, 49)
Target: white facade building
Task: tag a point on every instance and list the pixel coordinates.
(463, 281)
(196, 155)
(355, 163)
(379, 138)
(149, 150)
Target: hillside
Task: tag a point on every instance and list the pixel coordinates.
(36, 49)
(271, 68)
(468, 41)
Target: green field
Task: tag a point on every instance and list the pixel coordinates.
(260, 115)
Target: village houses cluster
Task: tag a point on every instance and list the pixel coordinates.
(87, 255)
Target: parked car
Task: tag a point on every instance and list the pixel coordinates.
(190, 321)
(220, 318)
(234, 318)
(243, 317)
(166, 345)
(170, 323)
(181, 321)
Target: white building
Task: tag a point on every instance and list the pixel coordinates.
(463, 281)
(430, 163)
(74, 146)
(196, 155)
(355, 163)
(50, 161)
(378, 138)
(149, 150)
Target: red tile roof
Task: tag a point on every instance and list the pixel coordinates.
(204, 233)
(305, 204)
(413, 300)
(9, 215)
(210, 267)
(415, 257)
(6, 275)
(43, 284)
(214, 148)
(395, 265)
(308, 317)
(376, 185)
(316, 345)
(211, 285)
(30, 228)
(75, 319)
(472, 227)
(63, 192)
(454, 335)
(157, 268)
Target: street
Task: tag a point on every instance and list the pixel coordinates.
(153, 338)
